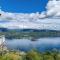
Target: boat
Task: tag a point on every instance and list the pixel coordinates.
(33, 39)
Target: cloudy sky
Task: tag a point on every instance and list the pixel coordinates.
(35, 14)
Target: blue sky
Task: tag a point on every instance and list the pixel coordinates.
(23, 6)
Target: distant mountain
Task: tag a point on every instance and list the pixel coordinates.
(3, 29)
(27, 33)
(27, 30)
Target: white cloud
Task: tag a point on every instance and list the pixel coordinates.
(49, 19)
(53, 8)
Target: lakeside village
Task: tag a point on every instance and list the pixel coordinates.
(6, 54)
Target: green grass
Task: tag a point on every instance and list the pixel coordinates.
(31, 55)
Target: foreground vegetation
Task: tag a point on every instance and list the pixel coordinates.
(30, 55)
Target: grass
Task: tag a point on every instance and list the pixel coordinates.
(31, 55)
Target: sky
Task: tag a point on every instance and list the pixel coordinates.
(23, 6)
(34, 14)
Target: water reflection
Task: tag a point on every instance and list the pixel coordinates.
(41, 44)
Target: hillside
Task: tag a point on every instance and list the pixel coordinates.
(28, 33)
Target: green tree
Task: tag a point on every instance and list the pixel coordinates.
(33, 55)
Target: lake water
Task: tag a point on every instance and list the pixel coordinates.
(41, 44)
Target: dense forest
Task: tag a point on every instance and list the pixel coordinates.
(28, 33)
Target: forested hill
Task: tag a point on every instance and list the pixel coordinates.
(26, 33)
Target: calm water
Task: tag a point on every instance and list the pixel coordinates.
(41, 44)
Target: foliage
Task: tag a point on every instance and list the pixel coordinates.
(31, 55)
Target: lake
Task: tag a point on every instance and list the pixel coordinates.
(41, 44)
